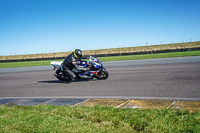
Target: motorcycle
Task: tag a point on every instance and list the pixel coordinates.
(96, 70)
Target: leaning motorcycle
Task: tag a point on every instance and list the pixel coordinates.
(96, 70)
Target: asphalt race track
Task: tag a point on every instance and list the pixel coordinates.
(169, 78)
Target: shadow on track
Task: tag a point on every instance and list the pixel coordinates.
(67, 82)
(52, 81)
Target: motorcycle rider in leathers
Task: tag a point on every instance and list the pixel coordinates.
(70, 62)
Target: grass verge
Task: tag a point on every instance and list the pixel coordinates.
(174, 46)
(104, 59)
(24, 64)
(50, 118)
(151, 56)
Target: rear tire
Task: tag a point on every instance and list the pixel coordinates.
(60, 75)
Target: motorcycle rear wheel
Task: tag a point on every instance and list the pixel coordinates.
(60, 75)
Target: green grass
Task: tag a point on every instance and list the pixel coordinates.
(49, 118)
(174, 46)
(25, 64)
(151, 56)
(104, 59)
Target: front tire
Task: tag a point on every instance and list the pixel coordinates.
(103, 74)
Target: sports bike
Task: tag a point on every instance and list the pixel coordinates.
(96, 70)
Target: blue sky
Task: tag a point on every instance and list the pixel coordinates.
(43, 26)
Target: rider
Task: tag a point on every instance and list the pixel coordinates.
(70, 62)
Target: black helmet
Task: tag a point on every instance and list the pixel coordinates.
(77, 53)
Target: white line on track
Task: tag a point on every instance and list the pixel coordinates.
(108, 97)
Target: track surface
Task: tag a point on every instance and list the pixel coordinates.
(171, 78)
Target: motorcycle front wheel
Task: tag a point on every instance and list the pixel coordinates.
(103, 74)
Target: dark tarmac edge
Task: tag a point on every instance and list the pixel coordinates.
(189, 105)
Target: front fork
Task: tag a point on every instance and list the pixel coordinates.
(98, 73)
